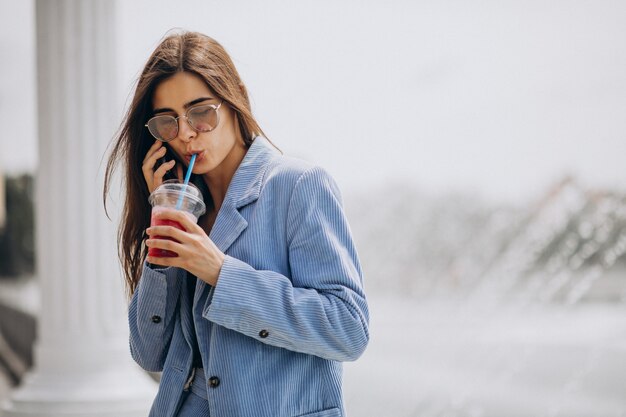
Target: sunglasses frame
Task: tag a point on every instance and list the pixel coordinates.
(186, 117)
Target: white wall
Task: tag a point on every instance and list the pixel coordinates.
(18, 106)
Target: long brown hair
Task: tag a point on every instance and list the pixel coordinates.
(183, 51)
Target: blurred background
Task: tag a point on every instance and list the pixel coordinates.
(480, 150)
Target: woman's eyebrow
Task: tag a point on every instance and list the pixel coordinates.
(186, 105)
(196, 101)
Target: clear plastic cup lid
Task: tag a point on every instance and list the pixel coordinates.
(168, 195)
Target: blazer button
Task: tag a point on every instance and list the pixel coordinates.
(214, 382)
(156, 319)
(263, 334)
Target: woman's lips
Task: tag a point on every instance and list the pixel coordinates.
(199, 157)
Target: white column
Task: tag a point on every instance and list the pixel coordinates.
(82, 360)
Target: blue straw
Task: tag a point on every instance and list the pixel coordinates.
(179, 203)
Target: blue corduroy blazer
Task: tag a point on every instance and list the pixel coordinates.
(287, 309)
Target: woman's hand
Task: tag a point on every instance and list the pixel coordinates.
(153, 177)
(196, 252)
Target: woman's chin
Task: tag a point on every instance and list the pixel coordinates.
(202, 168)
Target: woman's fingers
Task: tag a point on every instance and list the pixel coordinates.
(166, 244)
(156, 151)
(148, 163)
(167, 231)
(156, 146)
(162, 261)
(196, 252)
(179, 248)
(181, 217)
(160, 173)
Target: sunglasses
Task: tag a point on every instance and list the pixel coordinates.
(202, 118)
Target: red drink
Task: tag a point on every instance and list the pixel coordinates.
(173, 194)
(163, 253)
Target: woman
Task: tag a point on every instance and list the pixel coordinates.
(265, 299)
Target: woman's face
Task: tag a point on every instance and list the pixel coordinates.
(184, 90)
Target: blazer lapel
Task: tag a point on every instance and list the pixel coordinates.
(228, 226)
(243, 189)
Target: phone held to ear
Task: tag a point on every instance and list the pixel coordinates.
(169, 155)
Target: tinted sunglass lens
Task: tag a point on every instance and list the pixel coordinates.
(203, 118)
(164, 128)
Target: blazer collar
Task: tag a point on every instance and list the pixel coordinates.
(243, 189)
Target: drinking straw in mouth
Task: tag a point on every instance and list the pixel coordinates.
(179, 203)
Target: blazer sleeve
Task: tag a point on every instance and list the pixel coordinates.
(321, 309)
(151, 316)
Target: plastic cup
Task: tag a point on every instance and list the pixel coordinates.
(168, 195)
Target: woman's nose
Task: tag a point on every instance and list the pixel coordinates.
(185, 132)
